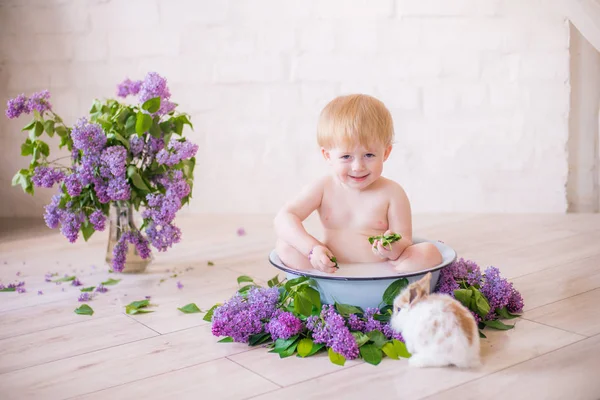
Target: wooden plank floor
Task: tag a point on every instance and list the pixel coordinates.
(49, 352)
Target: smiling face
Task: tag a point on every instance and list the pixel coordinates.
(359, 166)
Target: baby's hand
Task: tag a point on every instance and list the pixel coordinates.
(383, 245)
(322, 259)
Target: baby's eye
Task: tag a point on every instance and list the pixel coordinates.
(369, 155)
(345, 157)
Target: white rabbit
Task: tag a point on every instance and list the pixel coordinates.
(438, 330)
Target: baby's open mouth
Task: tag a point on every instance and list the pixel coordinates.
(359, 178)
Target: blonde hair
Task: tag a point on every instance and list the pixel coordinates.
(352, 119)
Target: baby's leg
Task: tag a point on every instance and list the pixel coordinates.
(418, 257)
(291, 257)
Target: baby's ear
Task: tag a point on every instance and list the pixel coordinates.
(387, 152)
(325, 153)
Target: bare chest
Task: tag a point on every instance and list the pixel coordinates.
(366, 213)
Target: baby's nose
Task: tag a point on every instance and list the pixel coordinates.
(357, 165)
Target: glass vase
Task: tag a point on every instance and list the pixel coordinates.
(123, 218)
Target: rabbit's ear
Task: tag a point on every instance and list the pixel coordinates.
(416, 293)
(425, 283)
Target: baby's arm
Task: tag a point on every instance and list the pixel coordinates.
(399, 220)
(288, 222)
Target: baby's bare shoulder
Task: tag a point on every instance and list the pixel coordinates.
(390, 187)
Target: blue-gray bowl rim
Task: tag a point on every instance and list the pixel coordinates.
(364, 278)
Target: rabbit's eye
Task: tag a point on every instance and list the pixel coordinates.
(397, 309)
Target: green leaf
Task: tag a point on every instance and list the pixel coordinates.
(313, 295)
(39, 128)
(371, 354)
(244, 278)
(139, 303)
(481, 335)
(84, 309)
(88, 289)
(143, 123)
(210, 263)
(378, 338)
(155, 130)
(390, 351)
(255, 340)
(27, 148)
(44, 149)
(393, 290)
(498, 325)
(121, 139)
(152, 105)
(190, 309)
(111, 281)
(385, 240)
(274, 281)
(8, 289)
(302, 304)
(283, 344)
(480, 302)
(360, 338)
(315, 349)
(29, 126)
(289, 351)
(130, 124)
(400, 349)
(244, 289)
(336, 358)
(61, 131)
(305, 347)
(226, 339)
(49, 127)
(133, 311)
(464, 296)
(504, 313)
(65, 279)
(138, 182)
(87, 229)
(209, 313)
(345, 309)
(18, 178)
(295, 282)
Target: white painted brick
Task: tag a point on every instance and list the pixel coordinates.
(399, 35)
(500, 67)
(39, 48)
(276, 38)
(177, 13)
(219, 40)
(252, 10)
(359, 9)
(400, 96)
(254, 69)
(125, 15)
(544, 66)
(357, 86)
(184, 70)
(28, 77)
(134, 44)
(446, 8)
(315, 96)
(357, 38)
(317, 37)
(509, 96)
(461, 65)
(67, 18)
(551, 97)
(90, 47)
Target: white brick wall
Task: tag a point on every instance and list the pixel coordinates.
(479, 90)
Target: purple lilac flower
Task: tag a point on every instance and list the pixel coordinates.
(47, 177)
(459, 270)
(21, 289)
(40, 293)
(85, 296)
(371, 323)
(177, 150)
(113, 161)
(162, 208)
(330, 329)
(355, 323)
(241, 317)
(128, 87)
(392, 334)
(163, 236)
(148, 297)
(76, 282)
(71, 224)
(98, 219)
(283, 325)
(515, 304)
(40, 101)
(101, 289)
(88, 137)
(86, 169)
(73, 185)
(136, 145)
(17, 106)
(241, 232)
(120, 249)
(179, 285)
(496, 289)
(18, 273)
(153, 86)
(118, 189)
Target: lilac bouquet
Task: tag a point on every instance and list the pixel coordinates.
(121, 154)
(290, 317)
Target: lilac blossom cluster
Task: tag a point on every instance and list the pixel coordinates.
(39, 101)
(283, 325)
(330, 328)
(368, 323)
(241, 317)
